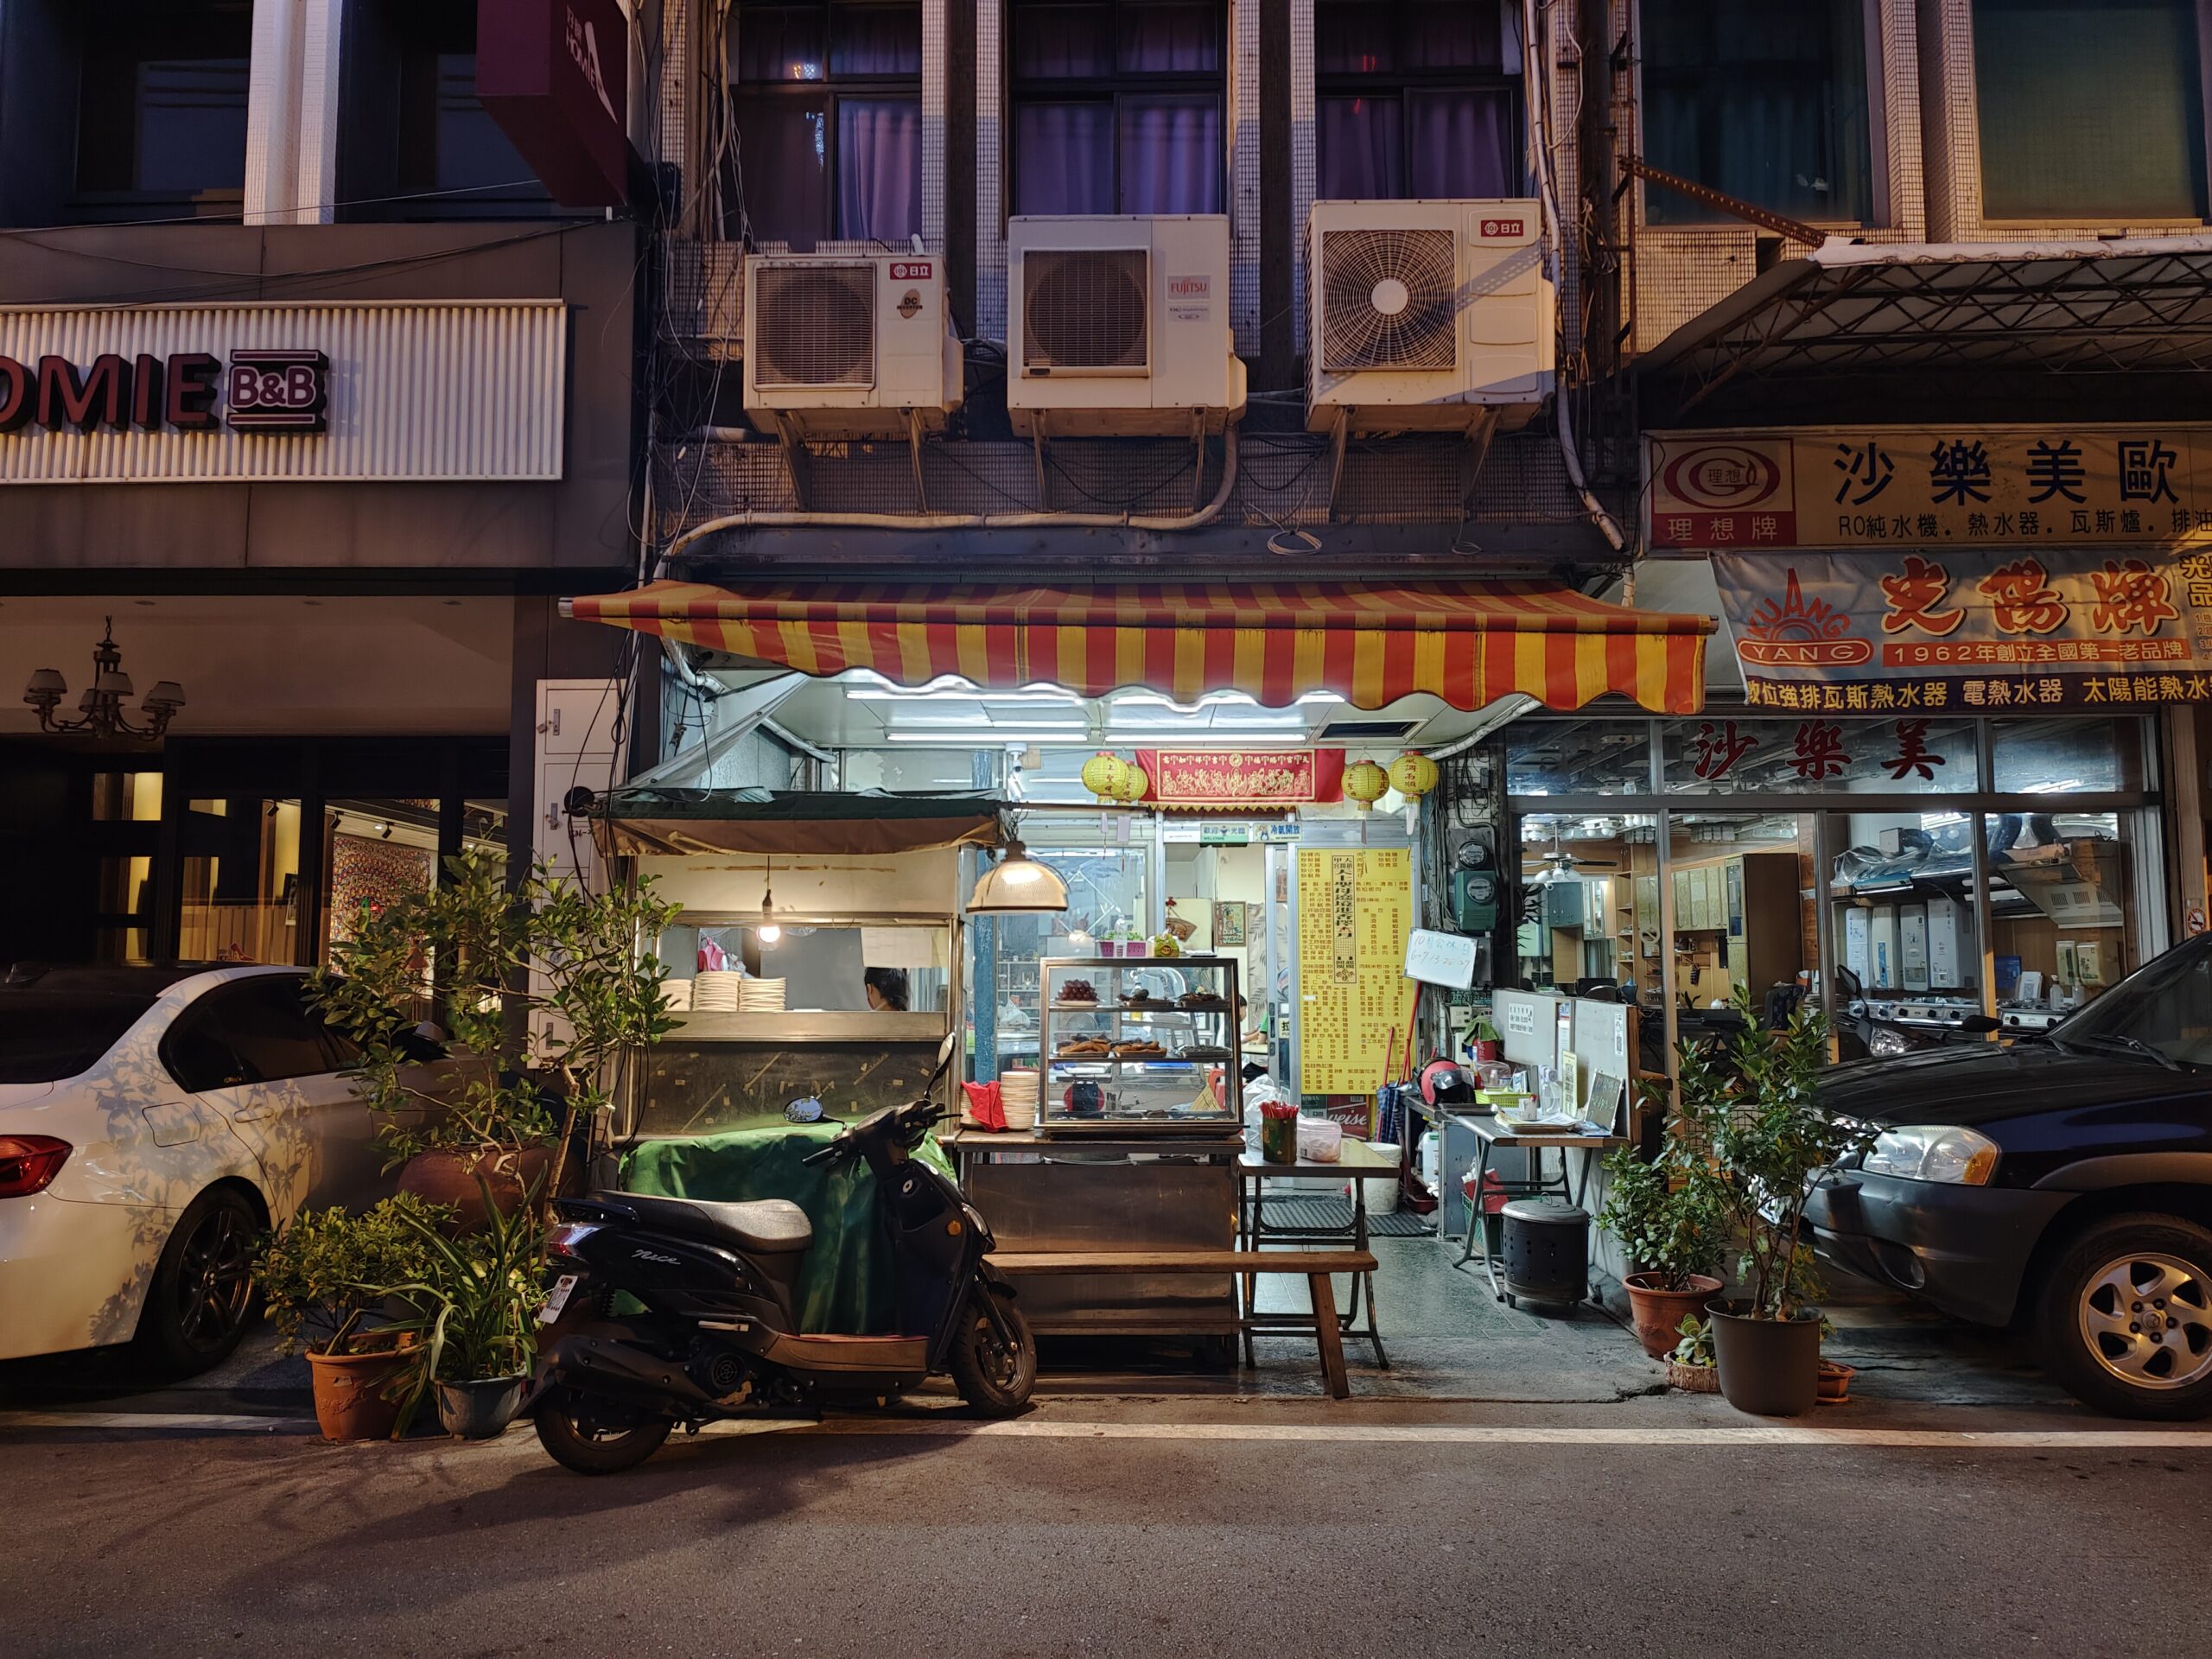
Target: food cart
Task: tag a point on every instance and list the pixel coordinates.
(807, 893)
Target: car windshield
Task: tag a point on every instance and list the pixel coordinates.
(2165, 1006)
(48, 1036)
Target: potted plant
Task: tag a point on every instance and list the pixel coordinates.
(1670, 1220)
(1689, 1362)
(472, 1315)
(317, 1276)
(1756, 1120)
(541, 989)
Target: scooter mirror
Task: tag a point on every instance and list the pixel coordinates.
(809, 1110)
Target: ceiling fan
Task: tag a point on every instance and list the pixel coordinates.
(1559, 865)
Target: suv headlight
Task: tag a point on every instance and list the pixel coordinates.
(1933, 1152)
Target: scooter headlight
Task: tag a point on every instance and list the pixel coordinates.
(1887, 1043)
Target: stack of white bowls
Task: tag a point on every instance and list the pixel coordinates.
(716, 990)
(678, 992)
(761, 996)
(1018, 1097)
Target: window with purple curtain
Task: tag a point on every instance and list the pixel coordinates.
(827, 108)
(1417, 99)
(1117, 105)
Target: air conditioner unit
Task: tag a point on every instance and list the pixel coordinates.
(1120, 325)
(1426, 315)
(849, 346)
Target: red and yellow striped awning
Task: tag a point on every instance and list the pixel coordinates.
(1468, 643)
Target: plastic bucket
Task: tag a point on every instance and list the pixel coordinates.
(1382, 1195)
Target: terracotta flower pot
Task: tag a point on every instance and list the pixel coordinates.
(450, 1178)
(1659, 1312)
(1834, 1384)
(1692, 1379)
(349, 1403)
(479, 1410)
(1770, 1368)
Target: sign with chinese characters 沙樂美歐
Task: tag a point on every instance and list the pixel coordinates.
(1931, 486)
(1963, 632)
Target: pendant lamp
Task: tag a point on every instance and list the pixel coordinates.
(1018, 886)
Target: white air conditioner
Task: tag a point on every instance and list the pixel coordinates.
(1426, 314)
(849, 346)
(1120, 325)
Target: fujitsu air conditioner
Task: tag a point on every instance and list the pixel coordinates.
(1427, 314)
(1120, 325)
(842, 346)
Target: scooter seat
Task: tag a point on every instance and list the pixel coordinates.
(765, 1226)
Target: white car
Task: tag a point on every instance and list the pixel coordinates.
(152, 1121)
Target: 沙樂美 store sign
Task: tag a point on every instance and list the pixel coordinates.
(369, 391)
(1934, 486)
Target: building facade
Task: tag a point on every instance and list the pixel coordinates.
(315, 401)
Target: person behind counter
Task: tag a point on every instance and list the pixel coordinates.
(887, 989)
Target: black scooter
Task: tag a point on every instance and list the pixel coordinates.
(718, 1337)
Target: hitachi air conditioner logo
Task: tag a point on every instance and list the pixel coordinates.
(583, 47)
(1501, 227)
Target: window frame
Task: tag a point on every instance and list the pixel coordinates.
(1880, 210)
(829, 91)
(152, 34)
(1112, 90)
(1397, 83)
(2202, 11)
(214, 1008)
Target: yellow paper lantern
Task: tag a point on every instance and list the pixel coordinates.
(1135, 781)
(1364, 783)
(1413, 775)
(1105, 775)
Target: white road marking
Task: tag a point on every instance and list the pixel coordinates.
(213, 1422)
(1751, 1436)
(1761, 1434)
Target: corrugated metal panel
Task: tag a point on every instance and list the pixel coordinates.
(418, 391)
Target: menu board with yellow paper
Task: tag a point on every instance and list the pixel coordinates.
(1355, 909)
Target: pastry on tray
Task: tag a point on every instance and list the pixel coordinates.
(1086, 1048)
(1078, 990)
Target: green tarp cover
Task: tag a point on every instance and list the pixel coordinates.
(846, 1286)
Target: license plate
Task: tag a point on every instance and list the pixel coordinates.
(558, 1299)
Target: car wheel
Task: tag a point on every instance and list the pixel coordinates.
(197, 1304)
(2127, 1318)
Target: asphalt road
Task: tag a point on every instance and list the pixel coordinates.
(1268, 1529)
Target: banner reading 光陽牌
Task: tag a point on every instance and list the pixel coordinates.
(1967, 632)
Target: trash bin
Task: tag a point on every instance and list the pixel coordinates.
(1547, 1252)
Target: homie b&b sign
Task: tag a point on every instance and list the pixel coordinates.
(419, 391)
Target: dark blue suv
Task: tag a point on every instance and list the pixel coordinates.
(2065, 1181)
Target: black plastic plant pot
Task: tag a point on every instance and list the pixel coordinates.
(1770, 1368)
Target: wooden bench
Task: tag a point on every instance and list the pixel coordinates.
(1316, 1265)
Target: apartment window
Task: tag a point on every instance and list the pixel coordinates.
(828, 106)
(1416, 98)
(2090, 109)
(1763, 102)
(160, 109)
(1117, 108)
(452, 153)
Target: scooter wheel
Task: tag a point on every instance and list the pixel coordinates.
(992, 1378)
(594, 1436)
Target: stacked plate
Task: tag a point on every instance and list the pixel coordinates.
(678, 992)
(761, 996)
(1018, 1096)
(716, 990)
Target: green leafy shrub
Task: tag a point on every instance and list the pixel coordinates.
(315, 1272)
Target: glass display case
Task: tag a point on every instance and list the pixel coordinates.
(1140, 1046)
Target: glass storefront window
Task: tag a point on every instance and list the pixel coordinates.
(1589, 904)
(240, 880)
(2061, 914)
(1741, 923)
(126, 797)
(1577, 757)
(2066, 757)
(1902, 884)
(376, 852)
(1820, 755)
